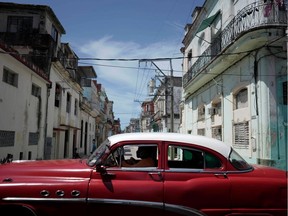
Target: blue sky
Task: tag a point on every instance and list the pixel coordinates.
(130, 29)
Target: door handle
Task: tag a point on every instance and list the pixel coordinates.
(221, 175)
(156, 176)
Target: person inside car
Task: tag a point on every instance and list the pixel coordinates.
(146, 153)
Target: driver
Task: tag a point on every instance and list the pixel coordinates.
(146, 154)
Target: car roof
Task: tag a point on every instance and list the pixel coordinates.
(207, 142)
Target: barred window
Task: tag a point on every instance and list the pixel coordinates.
(241, 135)
(33, 138)
(36, 90)
(10, 77)
(7, 138)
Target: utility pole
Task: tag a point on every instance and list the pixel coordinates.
(172, 98)
(168, 86)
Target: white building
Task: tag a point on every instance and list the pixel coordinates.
(23, 105)
(63, 105)
(34, 33)
(90, 108)
(166, 117)
(235, 77)
(44, 114)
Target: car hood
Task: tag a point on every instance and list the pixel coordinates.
(60, 168)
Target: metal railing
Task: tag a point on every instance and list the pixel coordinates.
(253, 16)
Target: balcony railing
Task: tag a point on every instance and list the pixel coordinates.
(253, 16)
(34, 40)
(43, 46)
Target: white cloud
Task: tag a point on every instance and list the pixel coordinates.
(122, 80)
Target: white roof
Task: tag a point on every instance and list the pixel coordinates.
(211, 143)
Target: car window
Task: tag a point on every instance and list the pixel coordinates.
(238, 162)
(96, 156)
(140, 155)
(189, 158)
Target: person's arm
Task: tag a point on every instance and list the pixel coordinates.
(130, 162)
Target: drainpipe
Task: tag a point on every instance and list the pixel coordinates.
(255, 74)
(49, 86)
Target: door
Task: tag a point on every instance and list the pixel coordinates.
(195, 180)
(129, 190)
(280, 154)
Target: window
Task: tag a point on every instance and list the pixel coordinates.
(20, 24)
(201, 131)
(10, 77)
(189, 58)
(57, 95)
(68, 103)
(215, 109)
(140, 155)
(238, 162)
(7, 138)
(76, 107)
(241, 99)
(33, 138)
(189, 158)
(201, 113)
(54, 33)
(36, 90)
(241, 135)
(217, 132)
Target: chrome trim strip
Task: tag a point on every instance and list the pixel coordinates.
(182, 210)
(181, 170)
(158, 205)
(29, 199)
(135, 169)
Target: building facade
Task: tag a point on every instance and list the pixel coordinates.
(166, 100)
(46, 109)
(24, 88)
(235, 77)
(147, 112)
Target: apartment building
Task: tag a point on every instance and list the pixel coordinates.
(44, 111)
(235, 77)
(24, 88)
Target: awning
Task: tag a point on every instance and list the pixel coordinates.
(207, 22)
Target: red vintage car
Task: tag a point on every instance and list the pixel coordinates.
(145, 174)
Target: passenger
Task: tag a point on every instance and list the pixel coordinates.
(146, 154)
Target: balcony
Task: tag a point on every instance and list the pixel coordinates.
(42, 46)
(252, 17)
(37, 41)
(146, 114)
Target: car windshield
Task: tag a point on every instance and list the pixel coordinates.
(98, 153)
(238, 162)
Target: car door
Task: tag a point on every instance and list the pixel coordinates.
(194, 180)
(127, 190)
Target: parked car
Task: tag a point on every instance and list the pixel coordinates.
(190, 175)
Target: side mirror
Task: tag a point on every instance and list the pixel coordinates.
(101, 169)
